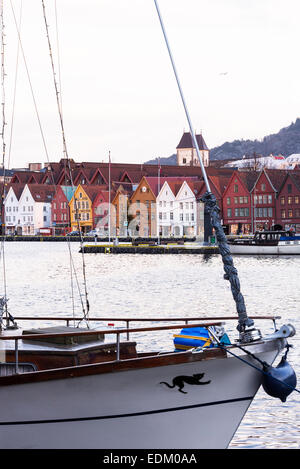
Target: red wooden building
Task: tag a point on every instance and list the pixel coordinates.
(60, 211)
(237, 202)
(288, 202)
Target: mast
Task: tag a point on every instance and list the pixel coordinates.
(109, 197)
(157, 217)
(210, 202)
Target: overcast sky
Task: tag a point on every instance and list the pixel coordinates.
(238, 62)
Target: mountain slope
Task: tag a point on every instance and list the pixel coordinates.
(285, 142)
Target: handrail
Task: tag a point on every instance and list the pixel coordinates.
(201, 318)
(103, 331)
(117, 331)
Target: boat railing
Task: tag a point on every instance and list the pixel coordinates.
(217, 321)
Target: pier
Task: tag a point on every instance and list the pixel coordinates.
(149, 249)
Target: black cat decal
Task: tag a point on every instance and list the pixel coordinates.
(181, 380)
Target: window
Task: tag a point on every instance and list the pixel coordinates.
(235, 188)
(263, 187)
(191, 205)
(246, 211)
(228, 201)
(165, 203)
(290, 200)
(236, 200)
(184, 160)
(236, 212)
(245, 200)
(45, 208)
(241, 200)
(282, 200)
(289, 188)
(160, 215)
(242, 212)
(265, 212)
(265, 199)
(54, 216)
(181, 217)
(297, 212)
(290, 213)
(171, 203)
(45, 218)
(187, 205)
(192, 217)
(270, 212)
(282, 213)
(269, 199)
(181, 205)
(297, 199)
(260, 199)
(171, 215)
(229, 212)
(80, 195)
(160, 203)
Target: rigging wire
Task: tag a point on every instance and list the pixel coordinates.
(31, 86)
(65, 151)
(3, 192)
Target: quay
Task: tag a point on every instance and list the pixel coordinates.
(149, 249)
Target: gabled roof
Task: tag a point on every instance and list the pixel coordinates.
(156, 183)
(248, 178)
(68, 191)
(17, 188)
(276, 177)
(27, 177)
(187, 142)
(92, 191)
(42, 192)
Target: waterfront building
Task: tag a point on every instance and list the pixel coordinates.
(89, 208)
(121, 202)
(142, 208)
(186, 153)
(35, 208)
(12, 220)
(249, 201)
(60, 211)
(288, 202)
(264, 195)
(176, 207)
(237, 202)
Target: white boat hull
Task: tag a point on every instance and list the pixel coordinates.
(280, 249)
(132, 408)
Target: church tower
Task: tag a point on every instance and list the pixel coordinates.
(187, 155)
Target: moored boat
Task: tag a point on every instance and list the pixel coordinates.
(266, 242)
(93, 392)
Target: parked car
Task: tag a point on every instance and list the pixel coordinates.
(92, 233)
(74, 233)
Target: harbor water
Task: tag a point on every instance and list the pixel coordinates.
(150, 286)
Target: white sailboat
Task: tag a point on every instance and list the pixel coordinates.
(90, 389)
